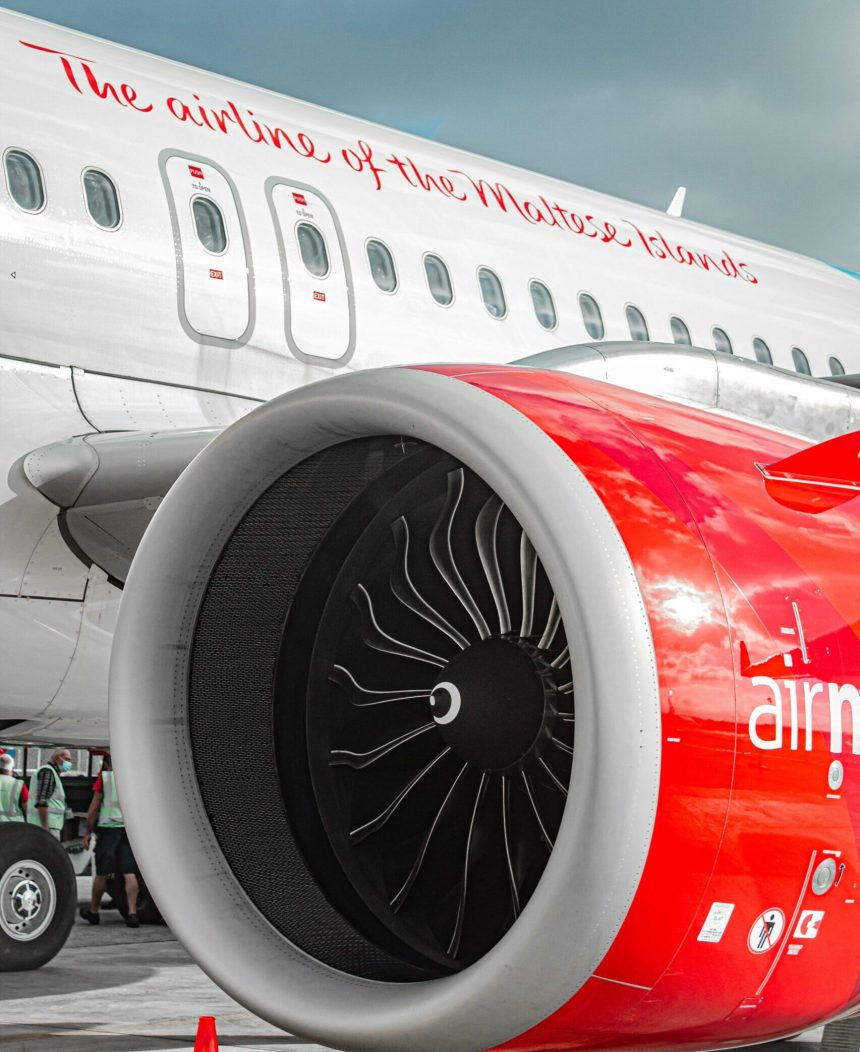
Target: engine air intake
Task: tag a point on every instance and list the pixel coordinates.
(423, 706)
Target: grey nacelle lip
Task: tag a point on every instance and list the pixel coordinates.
(593, 872)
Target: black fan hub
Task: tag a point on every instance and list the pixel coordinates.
(494, 704)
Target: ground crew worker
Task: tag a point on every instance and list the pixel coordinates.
(13, 792)
(47, 806)
(113, 851)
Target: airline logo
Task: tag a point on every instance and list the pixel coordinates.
(789, 717)
(381, 172)
(809, 924)
(196, 171)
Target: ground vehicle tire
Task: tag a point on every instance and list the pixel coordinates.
(38, 897)
(147, 911)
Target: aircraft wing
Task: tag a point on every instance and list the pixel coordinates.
(107, 487)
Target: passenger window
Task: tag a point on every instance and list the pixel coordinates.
(762, 352)
(801, 362)
(492, 293)
(438, 280)
(543, 304)
(636, 323)
(836, 367)
(24, 180)
(722, 343)
(382, 266)
(102, 199)
(313, 250)
(209, 224)
(680, 332)
(591, 316)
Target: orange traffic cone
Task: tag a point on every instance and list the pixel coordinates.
(207, 1039)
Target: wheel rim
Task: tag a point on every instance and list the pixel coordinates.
(439, 714)
(28, 899)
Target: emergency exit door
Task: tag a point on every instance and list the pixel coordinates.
(319, 313)
(213, 260)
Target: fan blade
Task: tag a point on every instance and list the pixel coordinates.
(533, 802)
(344, 678)
(377, 639)
(443, 557)
(359, 760)
(457, 935)
(361, 832)
(552, 623)
(528, 579)
(412, 876)
(486, 529)
(552, 775)
(404, 588)
(506, 823)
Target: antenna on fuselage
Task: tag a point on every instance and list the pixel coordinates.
(677, 205)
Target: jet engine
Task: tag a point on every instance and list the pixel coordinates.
(464, 707)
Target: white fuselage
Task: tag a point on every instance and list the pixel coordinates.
(142, 328)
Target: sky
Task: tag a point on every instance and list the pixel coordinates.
(753, 105)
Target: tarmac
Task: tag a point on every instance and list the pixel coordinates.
(114, 989)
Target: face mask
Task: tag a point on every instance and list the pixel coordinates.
(66, 765)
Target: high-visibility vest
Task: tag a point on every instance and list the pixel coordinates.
(110, 813)
(10, 799)
(56, 803)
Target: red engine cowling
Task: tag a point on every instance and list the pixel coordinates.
(471, 707)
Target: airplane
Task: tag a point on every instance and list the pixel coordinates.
(544, 655)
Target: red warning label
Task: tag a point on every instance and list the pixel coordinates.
(196, 171)
(300, 199)
(319, 296)
(218, 275)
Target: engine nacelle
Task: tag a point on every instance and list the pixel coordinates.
(465, 707)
